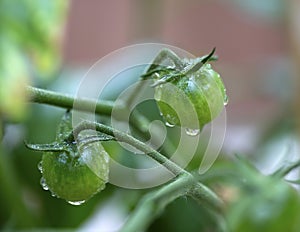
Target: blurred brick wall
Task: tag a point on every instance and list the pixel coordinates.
(249, 47)
(97, 27)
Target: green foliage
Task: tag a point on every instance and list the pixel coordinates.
(263, 203)
(77, 169)
(29, 45)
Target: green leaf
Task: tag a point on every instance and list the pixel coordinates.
(294, 181)
(286, 169)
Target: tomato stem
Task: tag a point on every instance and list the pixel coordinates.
(100, 107)
(153, 203)
(123, 137)
(67, 101)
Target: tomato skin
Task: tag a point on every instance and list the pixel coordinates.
(200, 94)
(76, 176)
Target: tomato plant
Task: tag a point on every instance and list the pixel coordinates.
(189, 93)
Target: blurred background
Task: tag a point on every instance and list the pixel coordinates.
(52, 44)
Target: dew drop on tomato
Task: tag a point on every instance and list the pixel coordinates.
(192, 132)
(43, 184)
(76, 202)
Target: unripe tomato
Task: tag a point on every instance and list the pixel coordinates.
(74, 169)
(192, 100)
(76, 176)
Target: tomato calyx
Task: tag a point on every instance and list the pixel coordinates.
(63, 143)
(165, 74)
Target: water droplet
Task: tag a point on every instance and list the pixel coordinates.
(76, 202)
(43, 183)
(192, 132)
(156, 75)
(169, 124)
(40, 167)
(225, 100)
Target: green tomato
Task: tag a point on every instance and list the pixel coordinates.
(192, 100)
(76, 176)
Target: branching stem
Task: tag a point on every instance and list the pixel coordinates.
(153, 203)
(67, 101)
(123, 137)
(100, 107)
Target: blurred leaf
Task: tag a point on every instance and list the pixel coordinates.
(261, 203)
(29, 46)
(13, 79)
(11, 196)
(184, 214)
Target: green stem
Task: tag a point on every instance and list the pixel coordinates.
(164, 54)
(154, 203)
(67, 101)
(100, 107)
(123, 137)
(283, 171)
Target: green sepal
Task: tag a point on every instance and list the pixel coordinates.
(98, 137)
(46, 147)
(63, 142)
(64, 127)
(169, 74)
(160, 70)
(167, 78)
(197, 63)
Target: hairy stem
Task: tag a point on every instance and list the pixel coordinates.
(67, 101)
(100, 107)
(155, 202)
(164, 54)
(123, 137)
(152, 205)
